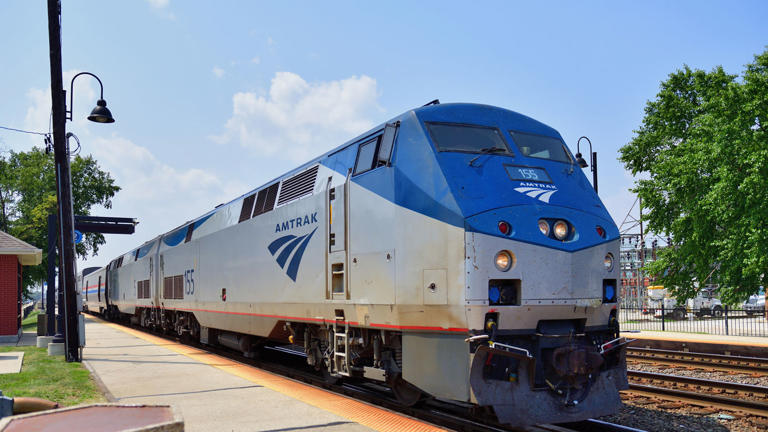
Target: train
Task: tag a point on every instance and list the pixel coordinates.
(456, 251)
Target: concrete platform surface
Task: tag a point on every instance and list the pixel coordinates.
(215, 393)
(697, 337)
(10, 362)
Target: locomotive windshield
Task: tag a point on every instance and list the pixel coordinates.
(467, 138)
(541, 147)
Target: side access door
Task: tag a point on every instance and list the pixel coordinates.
(360, 226)
(336, 287)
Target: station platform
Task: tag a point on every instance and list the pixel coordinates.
(698, 338)
(215, 393)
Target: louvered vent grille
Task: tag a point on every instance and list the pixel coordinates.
(298, 186)
(247, 208)
(266, 199)
(143, 288)
(271, 197)
(173, 287)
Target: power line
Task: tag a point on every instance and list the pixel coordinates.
(24, 131)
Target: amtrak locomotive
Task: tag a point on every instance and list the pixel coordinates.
(456, 251)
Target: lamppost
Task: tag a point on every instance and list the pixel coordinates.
(101, 113)
(583, 164)
(65, 225)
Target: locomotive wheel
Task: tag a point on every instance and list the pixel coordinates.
(405, 392)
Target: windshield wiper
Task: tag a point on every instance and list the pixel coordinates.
(485, 151)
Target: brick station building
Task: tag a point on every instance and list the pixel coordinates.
(14, 254)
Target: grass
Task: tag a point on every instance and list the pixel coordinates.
(30, 322)
(50, 377)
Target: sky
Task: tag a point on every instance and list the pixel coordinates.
(213, 99)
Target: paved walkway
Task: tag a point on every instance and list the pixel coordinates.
(10, 362)
(28, 338)
(698, 337)
(216, 394)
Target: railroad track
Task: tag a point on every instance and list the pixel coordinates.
(721, 362)
(451, 416)
(746, 398)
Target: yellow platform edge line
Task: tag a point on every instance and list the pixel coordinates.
(359, 412)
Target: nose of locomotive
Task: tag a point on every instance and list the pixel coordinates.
(550, 226)
(542, 256)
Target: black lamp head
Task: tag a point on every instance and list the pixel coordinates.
(101, 113)
(580, 161)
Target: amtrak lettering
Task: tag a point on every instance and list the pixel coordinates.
(539, 191)
(297, 222)
(288, 244)
(538, 185)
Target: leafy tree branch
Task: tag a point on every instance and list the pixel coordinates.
(704, 148)
(28, 196)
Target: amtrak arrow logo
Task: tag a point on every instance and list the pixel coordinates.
(291, 243)
(538, 193)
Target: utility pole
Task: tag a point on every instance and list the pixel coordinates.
(63, 186)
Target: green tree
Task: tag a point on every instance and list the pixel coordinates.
(702, 154)
(28, 196)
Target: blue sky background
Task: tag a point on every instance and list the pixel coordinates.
(215, 98)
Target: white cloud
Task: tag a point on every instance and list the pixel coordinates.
(161, 8)
(299, 119)
(146, 180)
(38, 116)
(218, 72)
(39, 112)
(158, 194)
(159, 4)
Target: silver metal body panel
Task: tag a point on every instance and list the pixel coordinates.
(554, 284)
(93, 283)
(394, 255)
(438, 362)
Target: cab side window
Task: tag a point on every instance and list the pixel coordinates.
(377, 151)
(365, 156)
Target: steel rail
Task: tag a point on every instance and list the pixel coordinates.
(702, 393)
(700, 399)
(713, 361)
(731, 387)
(708, 347)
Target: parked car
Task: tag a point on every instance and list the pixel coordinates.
(755, 305)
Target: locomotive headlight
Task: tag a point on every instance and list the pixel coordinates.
(561, 230)
(504, 260)
(608, 262)
(544, 227)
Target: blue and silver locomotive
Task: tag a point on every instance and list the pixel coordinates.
(455, 251)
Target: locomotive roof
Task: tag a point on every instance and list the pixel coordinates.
(453, 111)
(448, 112)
